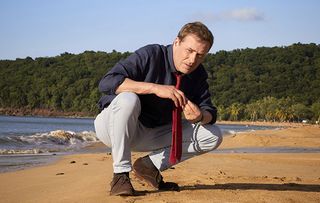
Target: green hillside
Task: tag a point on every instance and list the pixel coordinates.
(277, 83)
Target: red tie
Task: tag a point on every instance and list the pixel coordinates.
(176, 144)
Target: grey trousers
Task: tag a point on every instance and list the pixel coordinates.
(118, 127)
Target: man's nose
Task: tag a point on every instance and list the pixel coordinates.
(192, 58)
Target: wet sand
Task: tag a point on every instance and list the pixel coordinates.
(212, 177)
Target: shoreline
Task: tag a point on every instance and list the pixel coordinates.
(44, 113)
(30, 161)
(267, 123)
(60, 114)
(236, 142)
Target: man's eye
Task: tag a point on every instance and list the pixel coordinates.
(189, 50)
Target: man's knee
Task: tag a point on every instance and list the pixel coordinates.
(127, 101)
(212, 139)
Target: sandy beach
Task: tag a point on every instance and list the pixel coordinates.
(212, 177)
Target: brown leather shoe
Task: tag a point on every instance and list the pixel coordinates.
(144, 169)
(121, 185)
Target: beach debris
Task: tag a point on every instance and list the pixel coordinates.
(298, 179)
(72, 162)
(222, 173)
(280, 178)
(85, 164)
(104, 158)
(283, 178)
(59, 174)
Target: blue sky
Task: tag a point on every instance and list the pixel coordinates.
(40, 28)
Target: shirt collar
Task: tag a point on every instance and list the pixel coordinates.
(170, 57)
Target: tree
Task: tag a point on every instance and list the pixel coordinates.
(223, 113)
(315, 108)
(252, 110)
(301, 112)
(235, 111)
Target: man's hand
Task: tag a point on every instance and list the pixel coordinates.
(170, 92)
(162, 91)
(192, 112)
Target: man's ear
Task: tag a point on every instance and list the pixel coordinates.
(177, 41)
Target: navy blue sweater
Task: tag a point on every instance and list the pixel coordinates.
(154, 63)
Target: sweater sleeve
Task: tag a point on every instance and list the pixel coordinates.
(132, 67)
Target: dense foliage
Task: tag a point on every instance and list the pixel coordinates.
(64, 83)
(278, 83)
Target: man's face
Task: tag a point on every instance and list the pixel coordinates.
(189, 53)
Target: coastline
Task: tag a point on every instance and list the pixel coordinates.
(21, 161)
(213, 177)
(44, 113)
(267, 123)
(61, 114)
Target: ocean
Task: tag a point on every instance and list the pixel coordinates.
(27, 141)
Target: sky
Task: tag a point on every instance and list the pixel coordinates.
(45, 28)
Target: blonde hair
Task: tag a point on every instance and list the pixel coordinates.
(198, 29)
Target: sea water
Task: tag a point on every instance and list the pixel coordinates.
(27, 141)
(45, 135)
(42, 135)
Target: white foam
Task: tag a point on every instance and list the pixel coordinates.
(21, 151)
(58, 140)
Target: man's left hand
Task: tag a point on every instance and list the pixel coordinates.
(192, 112)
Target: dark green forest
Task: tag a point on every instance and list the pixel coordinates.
(265, 83)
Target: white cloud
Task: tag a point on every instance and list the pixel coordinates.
(241, 14)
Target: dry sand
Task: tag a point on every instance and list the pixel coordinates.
(213, 177)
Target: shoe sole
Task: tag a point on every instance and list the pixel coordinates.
(143, 179)
(122, 194)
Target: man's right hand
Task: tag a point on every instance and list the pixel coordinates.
(162, 91)
(170, 92)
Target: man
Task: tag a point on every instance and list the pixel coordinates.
(140, 95)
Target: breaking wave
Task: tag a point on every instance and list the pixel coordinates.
(53, 141)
